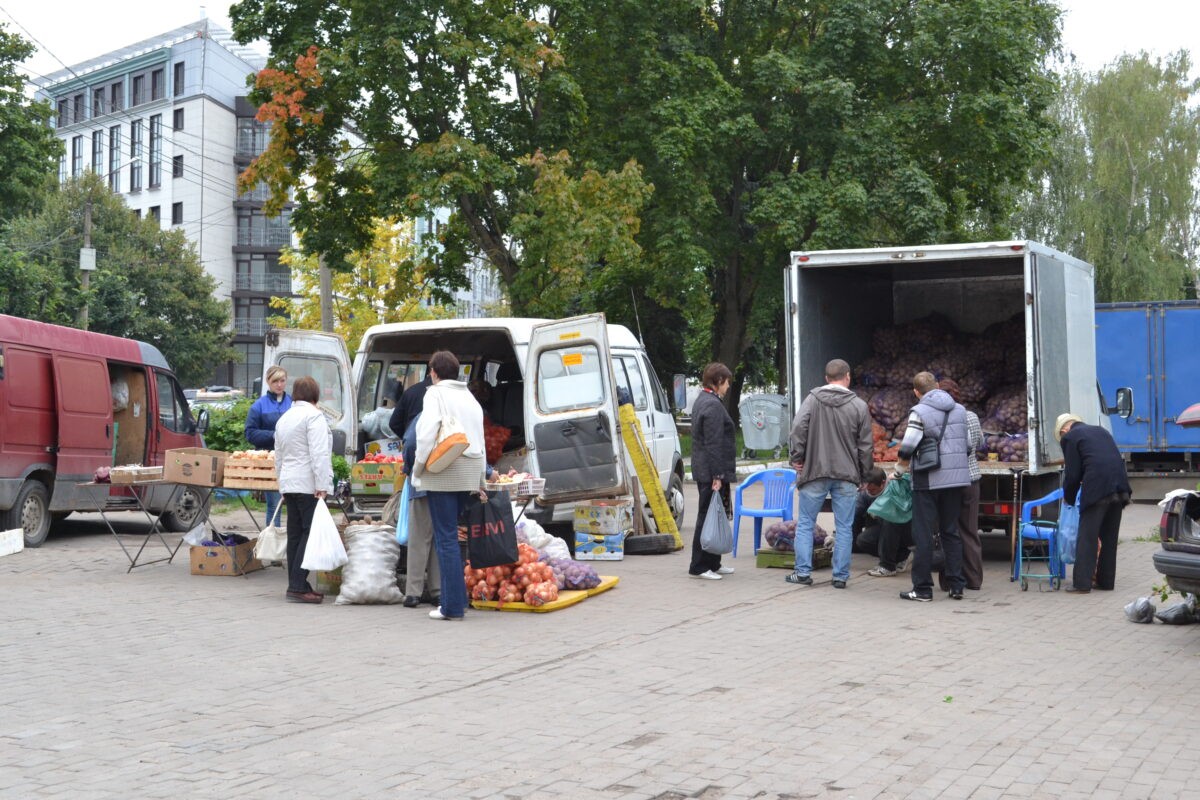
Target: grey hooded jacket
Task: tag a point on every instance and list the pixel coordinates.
(831, 436)
(937, 415)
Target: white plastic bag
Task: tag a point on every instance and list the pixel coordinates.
(555, 548)
(325, 550)
(271, 544)
(195, 537)
(535, 535)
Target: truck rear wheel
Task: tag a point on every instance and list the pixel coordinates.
(30, 513)
(187, 510)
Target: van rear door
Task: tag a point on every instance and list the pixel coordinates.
(83, 398)
(324, 357)
(571, 410)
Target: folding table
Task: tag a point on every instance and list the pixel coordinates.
(137, 501)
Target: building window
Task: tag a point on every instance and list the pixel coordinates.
(135, 156)
(252, 136)
(77, 108)
(177, 122)
(62, 167)
(76, 155)
(176, 213)
(139, 90)
(114, 158)
(155, 151)
(158, 84)
(116, 96)
(98, 152)
(98, 102)
(154, 213)
(179, 73)
(254, 229)
(262, 272)
(137, 213)
(177, 167)
(64, 113)
(250, 315)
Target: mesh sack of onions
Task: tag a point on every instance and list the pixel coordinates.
(1008, 406)
(928, 334)
(1014, 448)
(954, 362)
(974, 387)
(890, 405)
(887, 342)
(872, 371)
(901, 371)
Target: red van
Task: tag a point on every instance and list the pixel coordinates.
(72, 401)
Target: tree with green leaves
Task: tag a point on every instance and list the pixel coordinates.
(29, 150)
(762, 127)
(1118, 187)
(148, 283)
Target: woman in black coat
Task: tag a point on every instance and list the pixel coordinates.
(713, 462)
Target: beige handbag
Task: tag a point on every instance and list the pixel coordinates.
(451, 443)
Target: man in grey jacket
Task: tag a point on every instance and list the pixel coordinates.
(937, 492)
(831, 449)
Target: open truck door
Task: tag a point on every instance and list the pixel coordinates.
(571, 409)
(85, 417)
(324, 357)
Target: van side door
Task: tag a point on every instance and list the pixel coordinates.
(572, 428)
(83, 398)
(324, 357)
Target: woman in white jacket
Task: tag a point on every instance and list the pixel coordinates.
(448, 490)
(304, 464)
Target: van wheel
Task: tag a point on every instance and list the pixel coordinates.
(187, 510)
(30, 513)
(675, 499)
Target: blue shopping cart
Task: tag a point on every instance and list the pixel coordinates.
(1036, 554)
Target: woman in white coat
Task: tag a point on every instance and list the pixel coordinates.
(447, 491)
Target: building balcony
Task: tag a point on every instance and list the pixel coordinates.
(276, 284)
(246, 326)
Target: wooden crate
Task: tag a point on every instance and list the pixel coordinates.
(246, 474)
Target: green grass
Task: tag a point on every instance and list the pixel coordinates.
(232, 505)
(739, 442)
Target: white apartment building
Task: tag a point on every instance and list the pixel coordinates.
(166, 121)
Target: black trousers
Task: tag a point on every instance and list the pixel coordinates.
(701, 561)
(300, 508)
(936, 511)
(1099, 525)
(895, 538)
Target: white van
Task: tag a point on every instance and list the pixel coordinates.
(553, 383)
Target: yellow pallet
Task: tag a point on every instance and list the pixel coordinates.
(566, 597)
(635, 445)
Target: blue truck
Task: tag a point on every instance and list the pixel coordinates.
(1153, 349)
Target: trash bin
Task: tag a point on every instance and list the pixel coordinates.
(764, 423)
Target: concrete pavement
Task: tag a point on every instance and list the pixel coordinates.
(159, 684)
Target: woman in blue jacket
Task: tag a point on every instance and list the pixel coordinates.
(260, 425)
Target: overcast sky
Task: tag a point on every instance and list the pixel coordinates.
(1096, 31)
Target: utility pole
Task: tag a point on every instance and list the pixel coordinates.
(87, 262)
(326, 295)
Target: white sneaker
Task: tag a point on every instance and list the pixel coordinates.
(725, 570)
(881, 572)
(708, 576)
(437, 614)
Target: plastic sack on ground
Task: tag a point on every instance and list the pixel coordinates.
(1140, 611)
(554, 549)
(535, 535)
(369, 577)
(1179, 614)
(195, 537)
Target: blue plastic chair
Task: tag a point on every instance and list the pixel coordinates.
(1041, 537)
(779, 496)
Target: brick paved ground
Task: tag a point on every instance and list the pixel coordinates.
(158, 684)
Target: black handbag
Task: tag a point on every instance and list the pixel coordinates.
(491, 534)
(926, 457)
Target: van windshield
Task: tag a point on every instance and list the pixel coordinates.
(328, 376)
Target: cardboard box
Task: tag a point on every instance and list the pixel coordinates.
(195, 466)
(218, 560)
(387, 447)
(367, 478)
(599, 547)
(327, 582)
(130, 475)
(606, 517)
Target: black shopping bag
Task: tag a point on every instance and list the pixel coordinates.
(491, 533)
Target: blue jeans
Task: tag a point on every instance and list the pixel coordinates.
(274, 500)
(444, 509)
(812, 496)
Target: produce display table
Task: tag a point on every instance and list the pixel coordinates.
(138, 491)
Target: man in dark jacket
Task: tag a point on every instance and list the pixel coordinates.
(937, 492)
(831, 448)
(1094, 479)
(409, 404)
